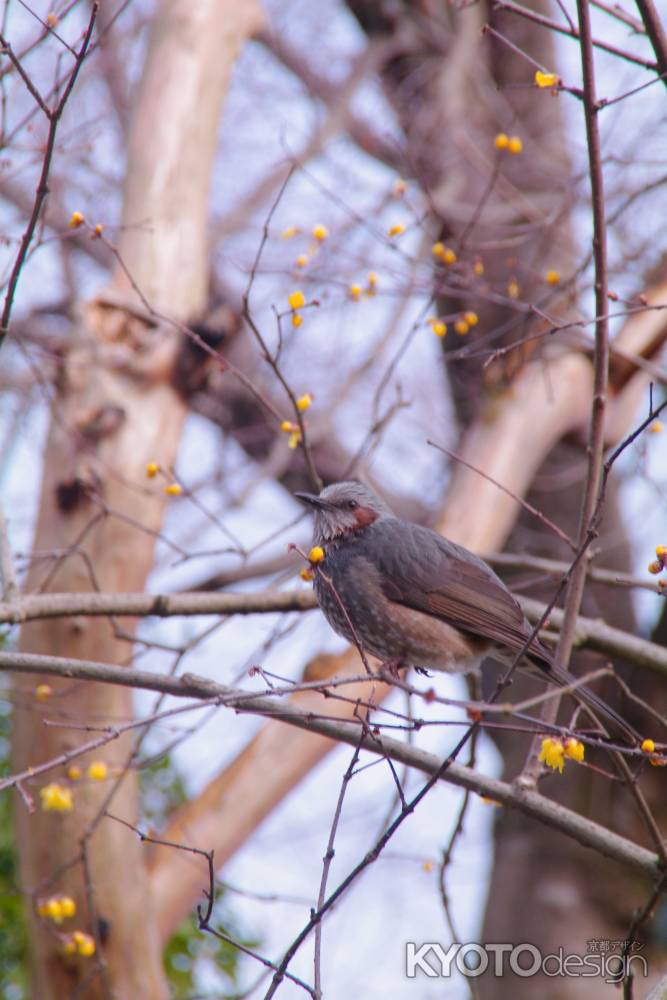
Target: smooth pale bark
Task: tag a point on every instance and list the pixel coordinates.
(114, 411)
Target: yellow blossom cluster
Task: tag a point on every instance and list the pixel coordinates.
(554, 752)
(546, 80)
(512, 143)
(294, 433)
(443, 253)
(296, 301)
(79, 943)
(357, 291)
(56, 798)
(660, 561)
(56, 908)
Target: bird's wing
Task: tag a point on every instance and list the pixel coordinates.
(424, 571)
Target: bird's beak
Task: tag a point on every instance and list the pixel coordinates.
(312, 500)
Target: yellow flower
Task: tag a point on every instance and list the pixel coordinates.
(52, 19)
(501, 141)
(655, 567)
(296, 299)
(553, 277)
(67, 906)
(439, 328)
(57, 908)
(427, 866)
(553, 754)
(471, 318)
(288, 233)
(661, 551)
(85, 943)
(97, 770)
(513, 288)
(76, 219)
(574, 749)
(656, 426)
(461, 327)
(478, 268)
(302, 260)
(306, 574)
(99, 229)
(546, 79)
(515, 145)
(294, 439)
(438, 249)
(287, 426)
(373, 282)
(297, 320)
(43, 692)
(316, 554)
(320, 232)
(449, 257)
(355, 292)
(152, 470)
(396, 229)
(399, 187)
(55, 798)
(648, 746)
(304, 402)
(173, 490)
(73, 772)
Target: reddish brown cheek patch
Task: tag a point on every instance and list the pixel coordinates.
(365, 516)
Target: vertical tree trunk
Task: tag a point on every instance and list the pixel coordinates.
(113, 412)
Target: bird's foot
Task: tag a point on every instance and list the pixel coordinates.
(390, 668)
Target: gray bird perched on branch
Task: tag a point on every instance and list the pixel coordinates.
(412, 598)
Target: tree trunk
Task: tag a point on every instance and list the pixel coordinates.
(114, 411)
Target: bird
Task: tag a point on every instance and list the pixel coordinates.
(412, 598)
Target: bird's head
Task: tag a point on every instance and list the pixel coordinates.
(343, 508)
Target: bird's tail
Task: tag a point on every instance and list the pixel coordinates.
(616, 724)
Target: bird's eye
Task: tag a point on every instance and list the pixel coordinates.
(352, 504)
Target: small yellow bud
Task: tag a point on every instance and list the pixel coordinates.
(648, 746)
(461, 327)
(54, 910)
(288, 233)
(438, 249)
(553, 277)
(294, 439)
(544, 80)
(97, 770)
(471, 318)
(396, 230)
(98, 230)
(656, 427)
(655, 567)
(515, 145)
(304, 402)
(574, 749)
(297, 320)
(69, 945)
(67, 907)
(173, 490)
(287, 426)
(320, 232)
(553, 754)
(85, 943)
(55, 798)
(449, 257)
(355, 292)
(372, 280)
(513, 289)
(439, 328)
(73, 772)
(400, 187)
(661, 551)
(152, 470)
(316, 554)
(501, 141)
(302, 260)
(43, 692)
(306, 574)
(76, 219)
(478, 268)
(428, 866)
(296, 299)
(52, 19)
